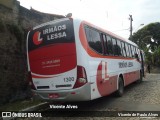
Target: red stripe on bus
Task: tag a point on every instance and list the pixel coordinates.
(131, 77)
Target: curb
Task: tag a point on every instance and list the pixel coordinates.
(36, 107)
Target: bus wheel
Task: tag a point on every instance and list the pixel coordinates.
(120, 90)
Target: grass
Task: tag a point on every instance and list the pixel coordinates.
(19, 105)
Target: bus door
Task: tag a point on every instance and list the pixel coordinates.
(142, 62)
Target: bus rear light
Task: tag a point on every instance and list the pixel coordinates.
(30, 82)
(82, 80)
(81, 77)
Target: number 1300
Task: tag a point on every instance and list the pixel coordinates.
(69, 79)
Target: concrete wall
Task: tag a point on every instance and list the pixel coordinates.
(9, 3)
(31, 18)
(15, 21)
(12, 12)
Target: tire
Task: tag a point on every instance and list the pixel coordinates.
(120, 90)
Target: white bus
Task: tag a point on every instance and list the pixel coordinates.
(73, 60)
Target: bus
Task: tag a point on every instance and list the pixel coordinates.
(73, 60)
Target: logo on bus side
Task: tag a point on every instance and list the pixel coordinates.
(37, 38)
(102, 78)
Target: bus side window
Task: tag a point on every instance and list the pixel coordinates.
(87, 30)
(109, 45)
(105, 45)
(136, 54)
(136, 51)
(132, 51)
(96, 43)
(139, 54)
(119, 50)
(114, 42)
(127, 50)
(123, 49)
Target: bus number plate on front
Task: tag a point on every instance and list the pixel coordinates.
(68, 79)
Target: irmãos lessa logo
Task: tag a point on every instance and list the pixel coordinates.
(36, 38)
(55, 32)
(51, 33)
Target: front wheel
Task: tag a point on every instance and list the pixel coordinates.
(120, 90)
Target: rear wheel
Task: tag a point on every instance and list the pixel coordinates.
(120, 90)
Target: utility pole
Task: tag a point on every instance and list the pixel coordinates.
(131, 19)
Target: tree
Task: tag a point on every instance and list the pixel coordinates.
(148, 39)
(156, 56)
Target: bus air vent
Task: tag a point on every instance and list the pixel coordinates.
(42, 87)
(67, 85)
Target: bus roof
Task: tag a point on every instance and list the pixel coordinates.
(89, 24)
(50, 22)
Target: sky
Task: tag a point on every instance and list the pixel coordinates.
(112, 15)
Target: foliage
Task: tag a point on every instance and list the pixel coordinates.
(156, 56)
(148, 39)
